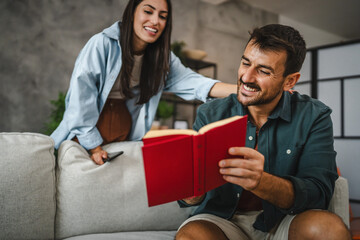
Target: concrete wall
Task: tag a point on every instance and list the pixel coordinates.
(38, 47)
(41, 39)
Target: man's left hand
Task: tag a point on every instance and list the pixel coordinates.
(246, 170)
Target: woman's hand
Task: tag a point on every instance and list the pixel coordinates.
(98, 154)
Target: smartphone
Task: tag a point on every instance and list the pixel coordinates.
(113, 155)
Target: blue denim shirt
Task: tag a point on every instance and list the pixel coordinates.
(95, 72)
(297, 143)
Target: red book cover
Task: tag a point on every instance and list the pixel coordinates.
(183, 163)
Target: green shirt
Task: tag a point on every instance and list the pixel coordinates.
(297, 143)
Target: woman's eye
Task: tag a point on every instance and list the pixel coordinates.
(147, 12)
(163, 17)
(246, 64)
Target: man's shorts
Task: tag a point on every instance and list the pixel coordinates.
(240, 226)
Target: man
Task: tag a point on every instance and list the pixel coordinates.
(281, 182)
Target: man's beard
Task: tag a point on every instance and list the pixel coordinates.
(259, 99)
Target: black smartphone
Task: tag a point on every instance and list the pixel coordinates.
(113, 155)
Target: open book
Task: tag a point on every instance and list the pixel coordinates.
(183, 163)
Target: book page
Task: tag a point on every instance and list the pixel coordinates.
(218, 123)
(169, 132)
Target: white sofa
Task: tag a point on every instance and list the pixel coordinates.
(75, 199)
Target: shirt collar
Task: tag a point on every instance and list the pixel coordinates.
(113, 31)
(282, 110)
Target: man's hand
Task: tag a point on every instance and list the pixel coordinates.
(194, 200)
(246, 170)
(98, 154)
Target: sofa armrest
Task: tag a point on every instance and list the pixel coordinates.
(339, 203)
(27, 186)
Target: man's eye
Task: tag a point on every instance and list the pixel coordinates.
(246, 64)
(264, 72)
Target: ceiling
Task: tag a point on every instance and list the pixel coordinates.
(339, 17)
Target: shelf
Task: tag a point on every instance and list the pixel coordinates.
(195, 65)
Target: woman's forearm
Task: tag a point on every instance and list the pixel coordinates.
(220, 90)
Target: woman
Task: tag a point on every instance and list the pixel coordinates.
(119, 77)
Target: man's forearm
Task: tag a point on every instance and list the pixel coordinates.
(276, 190)
(194, 200)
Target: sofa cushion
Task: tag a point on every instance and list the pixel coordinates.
(27, 186)
(107, 198)
(148, 235)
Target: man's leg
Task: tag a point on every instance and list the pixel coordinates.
(208, 226)
(318, 224)
(200, 230)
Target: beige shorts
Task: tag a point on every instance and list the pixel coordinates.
(240, 226)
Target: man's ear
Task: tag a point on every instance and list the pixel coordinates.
(291, 80)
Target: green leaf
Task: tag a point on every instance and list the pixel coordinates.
(56, 115)
(164, 110)
(177, 48)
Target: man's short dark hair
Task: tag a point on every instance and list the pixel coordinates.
(275, 37)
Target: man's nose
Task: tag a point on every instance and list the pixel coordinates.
(248, 75)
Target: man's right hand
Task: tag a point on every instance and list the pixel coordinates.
(194, 200)
(98, 154)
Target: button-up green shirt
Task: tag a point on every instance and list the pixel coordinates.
(297, 143)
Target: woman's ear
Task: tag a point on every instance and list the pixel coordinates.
(291, 80)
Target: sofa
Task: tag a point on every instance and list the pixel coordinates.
(72, 198)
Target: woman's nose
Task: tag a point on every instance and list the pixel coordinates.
(154, 20)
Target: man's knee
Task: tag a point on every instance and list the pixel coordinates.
(200, 230)
(318, 224)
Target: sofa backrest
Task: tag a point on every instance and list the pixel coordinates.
(107, 198)
(27, 186)
(89, 198)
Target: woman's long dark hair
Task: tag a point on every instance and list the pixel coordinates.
(156, 58)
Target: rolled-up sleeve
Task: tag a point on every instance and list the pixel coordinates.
(82, 110)
(186, 83)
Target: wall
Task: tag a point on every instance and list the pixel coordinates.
(41, 39)
(220, 30)
(39, 44)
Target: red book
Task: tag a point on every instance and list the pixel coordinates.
(184, 163)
